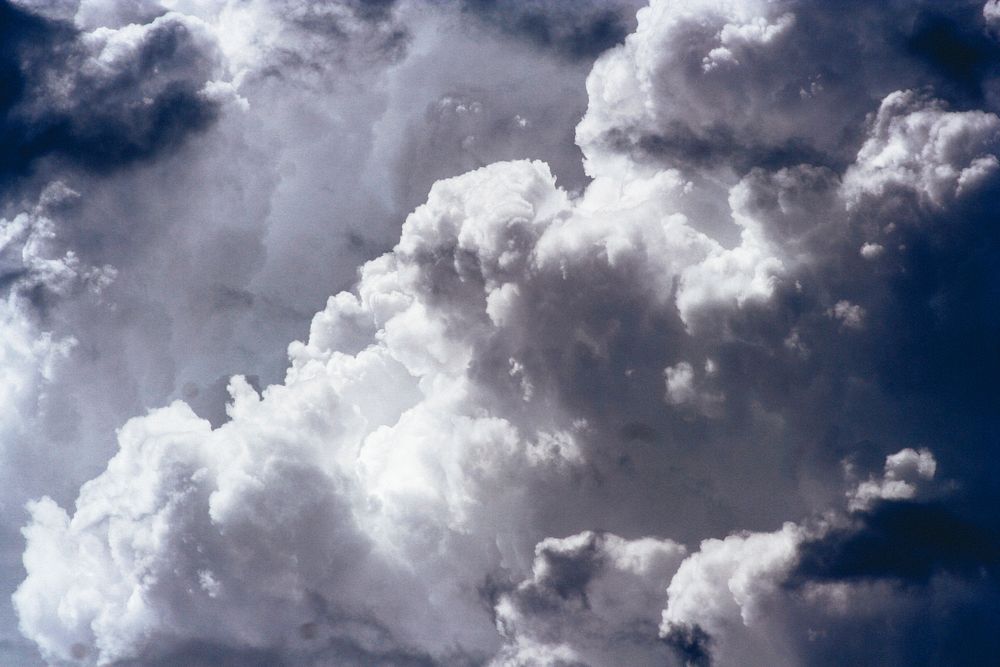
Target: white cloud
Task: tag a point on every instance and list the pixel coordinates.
(872, 250)
(735, 37)
(905, 471)
(850, 314)
(406, 477)
(723, 589)
(393, 454)
(991, 11)
(920, 145)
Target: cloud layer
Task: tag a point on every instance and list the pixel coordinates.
(728, 400)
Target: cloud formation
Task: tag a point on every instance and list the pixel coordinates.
(224, 234)
(730, 401)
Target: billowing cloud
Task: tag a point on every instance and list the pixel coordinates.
(597, 422)
(744, 84)
(228, 217)
(102, 98)
(817, 591)
(591, 599)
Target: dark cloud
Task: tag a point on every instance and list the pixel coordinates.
(578, 31)
(206, 654)
(590, 600)
(373, 9)
(907, 542)
(316, 648)
(316, 36)
(956, 47)
(57, 102)
(714, 147)
(925, 557)
(691, 644)
(567, 574)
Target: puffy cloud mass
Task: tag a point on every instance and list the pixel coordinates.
(728, 399)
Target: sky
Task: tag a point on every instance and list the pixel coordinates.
(501, 333)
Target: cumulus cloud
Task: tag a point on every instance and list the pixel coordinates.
(744, 84)
(423, 361)
(725, 584)
(795, 595)
(552, 424)
(591, 599)
(903, 471)
(916, 144)
(234, 163)
(38, 274)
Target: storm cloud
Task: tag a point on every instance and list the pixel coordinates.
(707, 380)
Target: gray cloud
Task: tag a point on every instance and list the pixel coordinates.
(578, 33)
(101, 101)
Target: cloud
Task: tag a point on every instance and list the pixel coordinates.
(738, 85)
(430, 303)
(532, 402)
(904, 470)
(592, 599)
(225, 236)
(105, 98)
(583, 33)
(439, 502)
(798, 595)
(726, 583)
(38, 275)
(910, 135)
